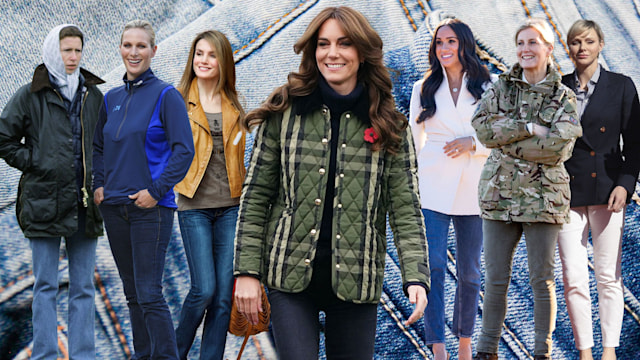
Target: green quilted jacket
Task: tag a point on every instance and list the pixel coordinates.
(281, 206)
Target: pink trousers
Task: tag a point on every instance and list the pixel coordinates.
(573, 244)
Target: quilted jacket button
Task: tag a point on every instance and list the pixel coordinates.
(339, 206)
(338, 236)
(318, 201)
(322, 171)
(341, 175)
(324, 111)
(348, 116)
(307, 262)
(313, 231)
(344, 146)
(325, 141)
(337, 266)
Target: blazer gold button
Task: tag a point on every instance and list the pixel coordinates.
(593, 153)
(593, 175)
(603, 129)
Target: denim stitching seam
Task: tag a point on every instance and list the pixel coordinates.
(402, 327)
(112, 314)
(264, 33)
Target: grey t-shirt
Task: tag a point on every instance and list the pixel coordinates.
(213, 191)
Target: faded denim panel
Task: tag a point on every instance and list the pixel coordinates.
(262, 34)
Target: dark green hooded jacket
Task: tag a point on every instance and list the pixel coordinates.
(47, 201)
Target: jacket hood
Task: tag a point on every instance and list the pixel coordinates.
(68, 83)
(41, 78)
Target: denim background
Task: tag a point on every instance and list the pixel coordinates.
(262, 34)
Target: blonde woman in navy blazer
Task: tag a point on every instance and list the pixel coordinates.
(603, 177)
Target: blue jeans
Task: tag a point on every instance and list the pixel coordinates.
(208, 236)
(468, 235)
(270, 28)
(81, 252)
(139, 239)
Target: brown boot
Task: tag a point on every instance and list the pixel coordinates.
(485, 356)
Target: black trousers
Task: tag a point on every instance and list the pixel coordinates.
(350, 328)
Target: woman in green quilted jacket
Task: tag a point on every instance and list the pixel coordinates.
(528, 118)
(332, 158)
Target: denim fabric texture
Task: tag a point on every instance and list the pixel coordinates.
(207, 235)
(262, 34)
(468, 246)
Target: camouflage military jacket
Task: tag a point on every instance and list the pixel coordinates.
(524, 178)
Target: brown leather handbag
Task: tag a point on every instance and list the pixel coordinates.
(240, 326)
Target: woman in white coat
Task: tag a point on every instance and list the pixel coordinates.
(450, 160)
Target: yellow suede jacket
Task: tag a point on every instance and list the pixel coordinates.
(234, 144)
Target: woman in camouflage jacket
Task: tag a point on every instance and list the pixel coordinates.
(528, 119)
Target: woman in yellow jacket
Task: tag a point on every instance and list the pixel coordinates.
(209, 194)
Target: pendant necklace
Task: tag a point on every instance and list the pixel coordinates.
(455, 89)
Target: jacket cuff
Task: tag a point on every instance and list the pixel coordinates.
(405, 287)
(256, 276)
(629, 183)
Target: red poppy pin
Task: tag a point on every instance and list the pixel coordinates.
(370, 135)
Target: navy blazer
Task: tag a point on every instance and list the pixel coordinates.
(599, 162)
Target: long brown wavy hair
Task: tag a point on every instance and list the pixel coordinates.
(385, 119)
(227, 79)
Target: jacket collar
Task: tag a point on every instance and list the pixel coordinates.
(571, 82)
(229, 112)
(546, 86)
(304, 105)
(144, 78)
(41, 79)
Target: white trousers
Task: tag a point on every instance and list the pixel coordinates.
(606, 236)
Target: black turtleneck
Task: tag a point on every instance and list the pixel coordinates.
(338, 105)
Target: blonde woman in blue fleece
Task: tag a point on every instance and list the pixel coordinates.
(142, 148)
